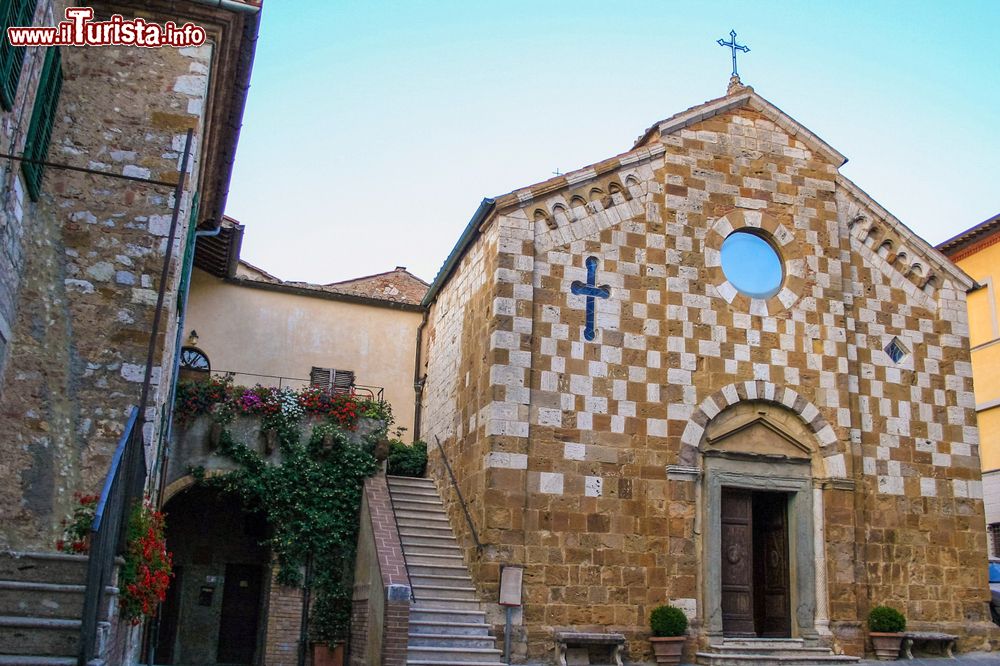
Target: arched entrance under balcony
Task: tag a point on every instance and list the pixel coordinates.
(214, 611)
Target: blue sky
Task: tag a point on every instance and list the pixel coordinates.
(373, 129)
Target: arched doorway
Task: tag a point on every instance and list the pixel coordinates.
(212, 614)
(759, 464)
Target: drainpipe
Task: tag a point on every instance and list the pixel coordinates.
(167, 432)
(418, 384)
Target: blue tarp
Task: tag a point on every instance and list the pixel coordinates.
(995, 572)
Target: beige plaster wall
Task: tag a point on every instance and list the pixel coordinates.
(260, 332)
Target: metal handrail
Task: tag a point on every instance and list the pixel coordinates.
(461, 500)
(395, 520)
(122, 488)
(371, 392)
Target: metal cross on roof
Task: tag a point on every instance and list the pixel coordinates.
(735, 47)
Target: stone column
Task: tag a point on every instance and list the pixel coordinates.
(819, 551)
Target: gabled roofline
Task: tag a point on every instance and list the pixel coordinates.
(319, 292)
(374, 275)
(486, 207)
(744, 97)
(913, 239)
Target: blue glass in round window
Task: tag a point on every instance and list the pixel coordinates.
(752, 265)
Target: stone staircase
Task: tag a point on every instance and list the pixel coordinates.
(41, 603)
(447, 625)
(777, 651)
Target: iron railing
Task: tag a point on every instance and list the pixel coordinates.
(251, 379)
(461, 500)
(122, 488)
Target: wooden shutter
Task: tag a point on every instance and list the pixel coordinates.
(320, 378)
(13, 13)
(330, 379)
(36, 146)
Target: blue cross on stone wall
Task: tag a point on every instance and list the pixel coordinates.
(591, 291)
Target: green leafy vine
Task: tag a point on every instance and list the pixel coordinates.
(311, 500)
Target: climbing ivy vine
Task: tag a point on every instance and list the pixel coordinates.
(311, 500)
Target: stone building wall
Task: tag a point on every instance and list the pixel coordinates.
(92, 272)
(13, 196)
(455, 397)
(595, 479)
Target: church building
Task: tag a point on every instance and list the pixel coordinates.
(710, 371)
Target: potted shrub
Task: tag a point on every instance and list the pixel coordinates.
(669, 625)
(886, 626)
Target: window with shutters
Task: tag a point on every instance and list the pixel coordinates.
(12, 13)
(994, 531)
(334, 381)
(36, 146)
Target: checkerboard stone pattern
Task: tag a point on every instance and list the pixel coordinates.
(562, 445)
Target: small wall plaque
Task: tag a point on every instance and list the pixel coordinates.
(510, 586)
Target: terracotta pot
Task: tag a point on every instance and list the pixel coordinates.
(325, 655)
(381, 450)
(886, 646)
(668, 649)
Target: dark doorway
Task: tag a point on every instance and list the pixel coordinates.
(240, 613)
(755, 580)
(213, 612)
(169, 615)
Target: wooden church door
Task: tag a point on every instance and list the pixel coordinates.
(737, 562)
(755, 580)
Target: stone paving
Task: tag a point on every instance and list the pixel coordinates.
(967, 659)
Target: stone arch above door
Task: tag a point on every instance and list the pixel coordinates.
(754, 439)
(788, 415)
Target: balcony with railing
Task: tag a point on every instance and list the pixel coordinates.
(244, 405)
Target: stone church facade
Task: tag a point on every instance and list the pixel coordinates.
(628, 458)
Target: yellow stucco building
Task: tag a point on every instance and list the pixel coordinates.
(977, 252)
(263, 330)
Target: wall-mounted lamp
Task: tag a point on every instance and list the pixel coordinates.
(193, 338)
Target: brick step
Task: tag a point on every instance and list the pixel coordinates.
(446, 603)
(27, 660)
(43, 568)
(43, 600)
(449, 628)
(763, 642)
(433, 537)
(421, 613)
(409, 480)
(451, 655)
(433, 517)
(424, 527)
(433, 557)
(430, 543)
(445, 592)
(414, 480)
(451, 662)
(775, 650)
(426, 503)
(735, 659)
(451, 640)
(439, 569)
(44, 637)
(413, 491)
(450, 581)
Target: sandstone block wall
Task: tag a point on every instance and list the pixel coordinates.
(77, 356)
(588, 455)
(13, 130)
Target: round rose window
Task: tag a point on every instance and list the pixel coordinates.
(752, 265)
